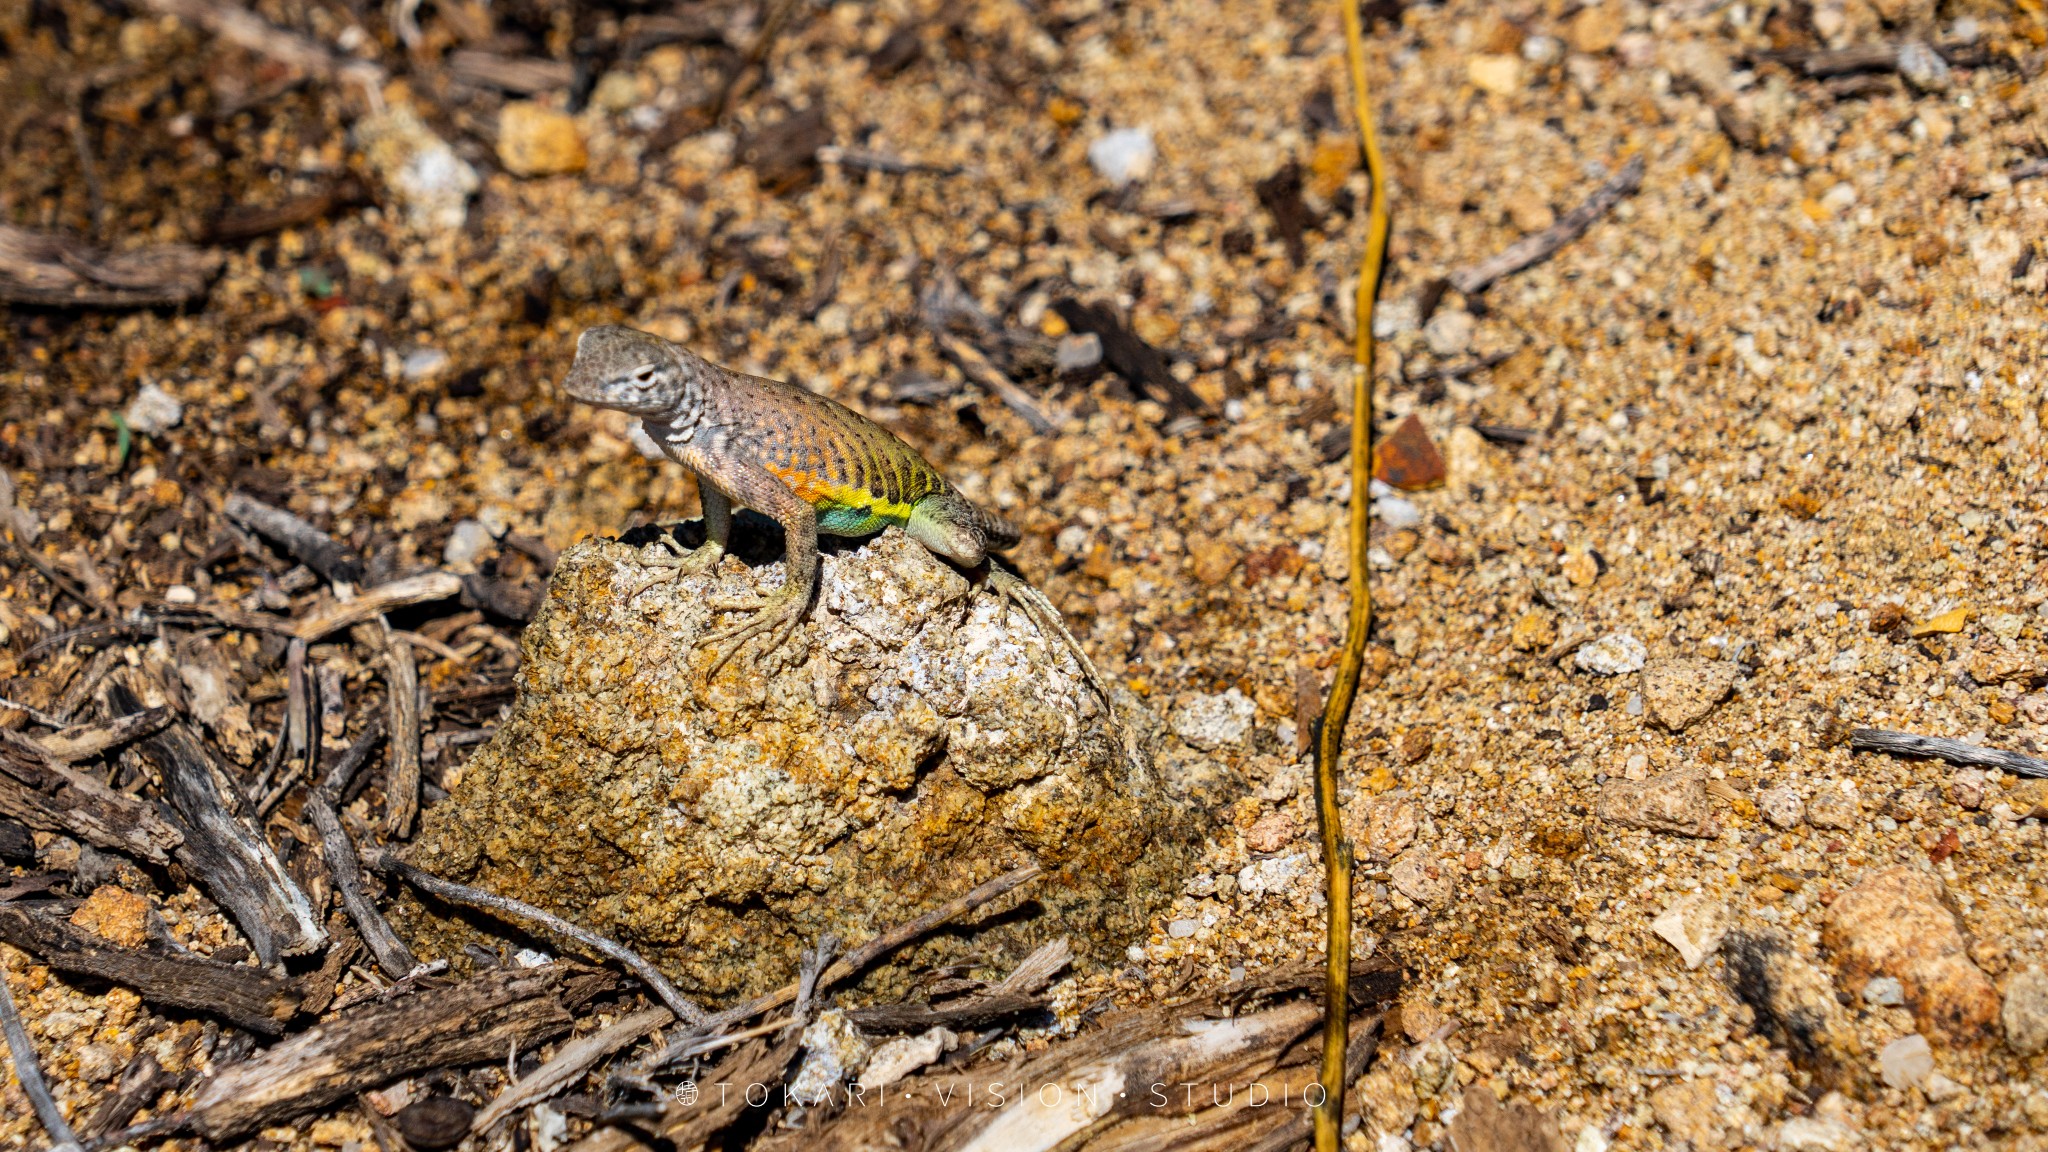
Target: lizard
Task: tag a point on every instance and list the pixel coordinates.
(812, 464)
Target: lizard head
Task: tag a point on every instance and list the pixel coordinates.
(627, 369)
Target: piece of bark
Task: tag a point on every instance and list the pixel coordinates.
(784, 155)
(240, 26)
(972, 1012)
(233, 861)
(477, 1021)
(141, 1083)
(54, 270)
(524, 75)
(1128, 355)
(343, 865)
(754, 1063)
(568, 1064)
(17, 843)
(239, 223)
(85, 741)
(334, 561)
(251, 998)
(41, 793)
(1280, 195)
(1066, 1100)
(322, 984)
(402, 722)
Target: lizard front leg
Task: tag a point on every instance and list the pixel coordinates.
(663, 554)
(777, 614)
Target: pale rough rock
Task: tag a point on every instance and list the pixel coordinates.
(1694, 926)
(153, 411)
(430, 181)
(834, 1051)
(1681, 692)
(535, 140)
(892, 1060)
(917, 737)
(1416, 875)
(1688, 1110)
(1781, 806)
(1834, 806)
(1615, 654)
(1906, 1062)
(1676, 802)
(2025, 1014)
(1899, 922)
(1209, 722)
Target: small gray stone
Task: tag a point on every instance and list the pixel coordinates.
(1182, 929)
(1884, 992)
(1615, 654)
(1123, 155)
(153, 411)
(1210, 722)
(1907, 1062)
(1077, 350)
(1923, 67)
(1781, 806)
(834, 1051)
(467, 542)
(422, 363)
(1396, 513)
(2026, 1012)
(1448, 333)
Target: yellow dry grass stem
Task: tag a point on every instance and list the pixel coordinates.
(1337, 859)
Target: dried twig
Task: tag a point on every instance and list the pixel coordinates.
(1329, 742)
(524, 75)
(402, 724)
(43, 794)
(1942, 748)
(51, 269)
(334, 561)
(984, 372)
(387, 861)
(239, 26)
(571, 1061)
(335, 785)
(85, 741)
(476, 1020)
(234, 862)
(340, 852)
(30, 1074)
(374, 602)
(1540, 246)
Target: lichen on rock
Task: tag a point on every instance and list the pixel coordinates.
(917, 735)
